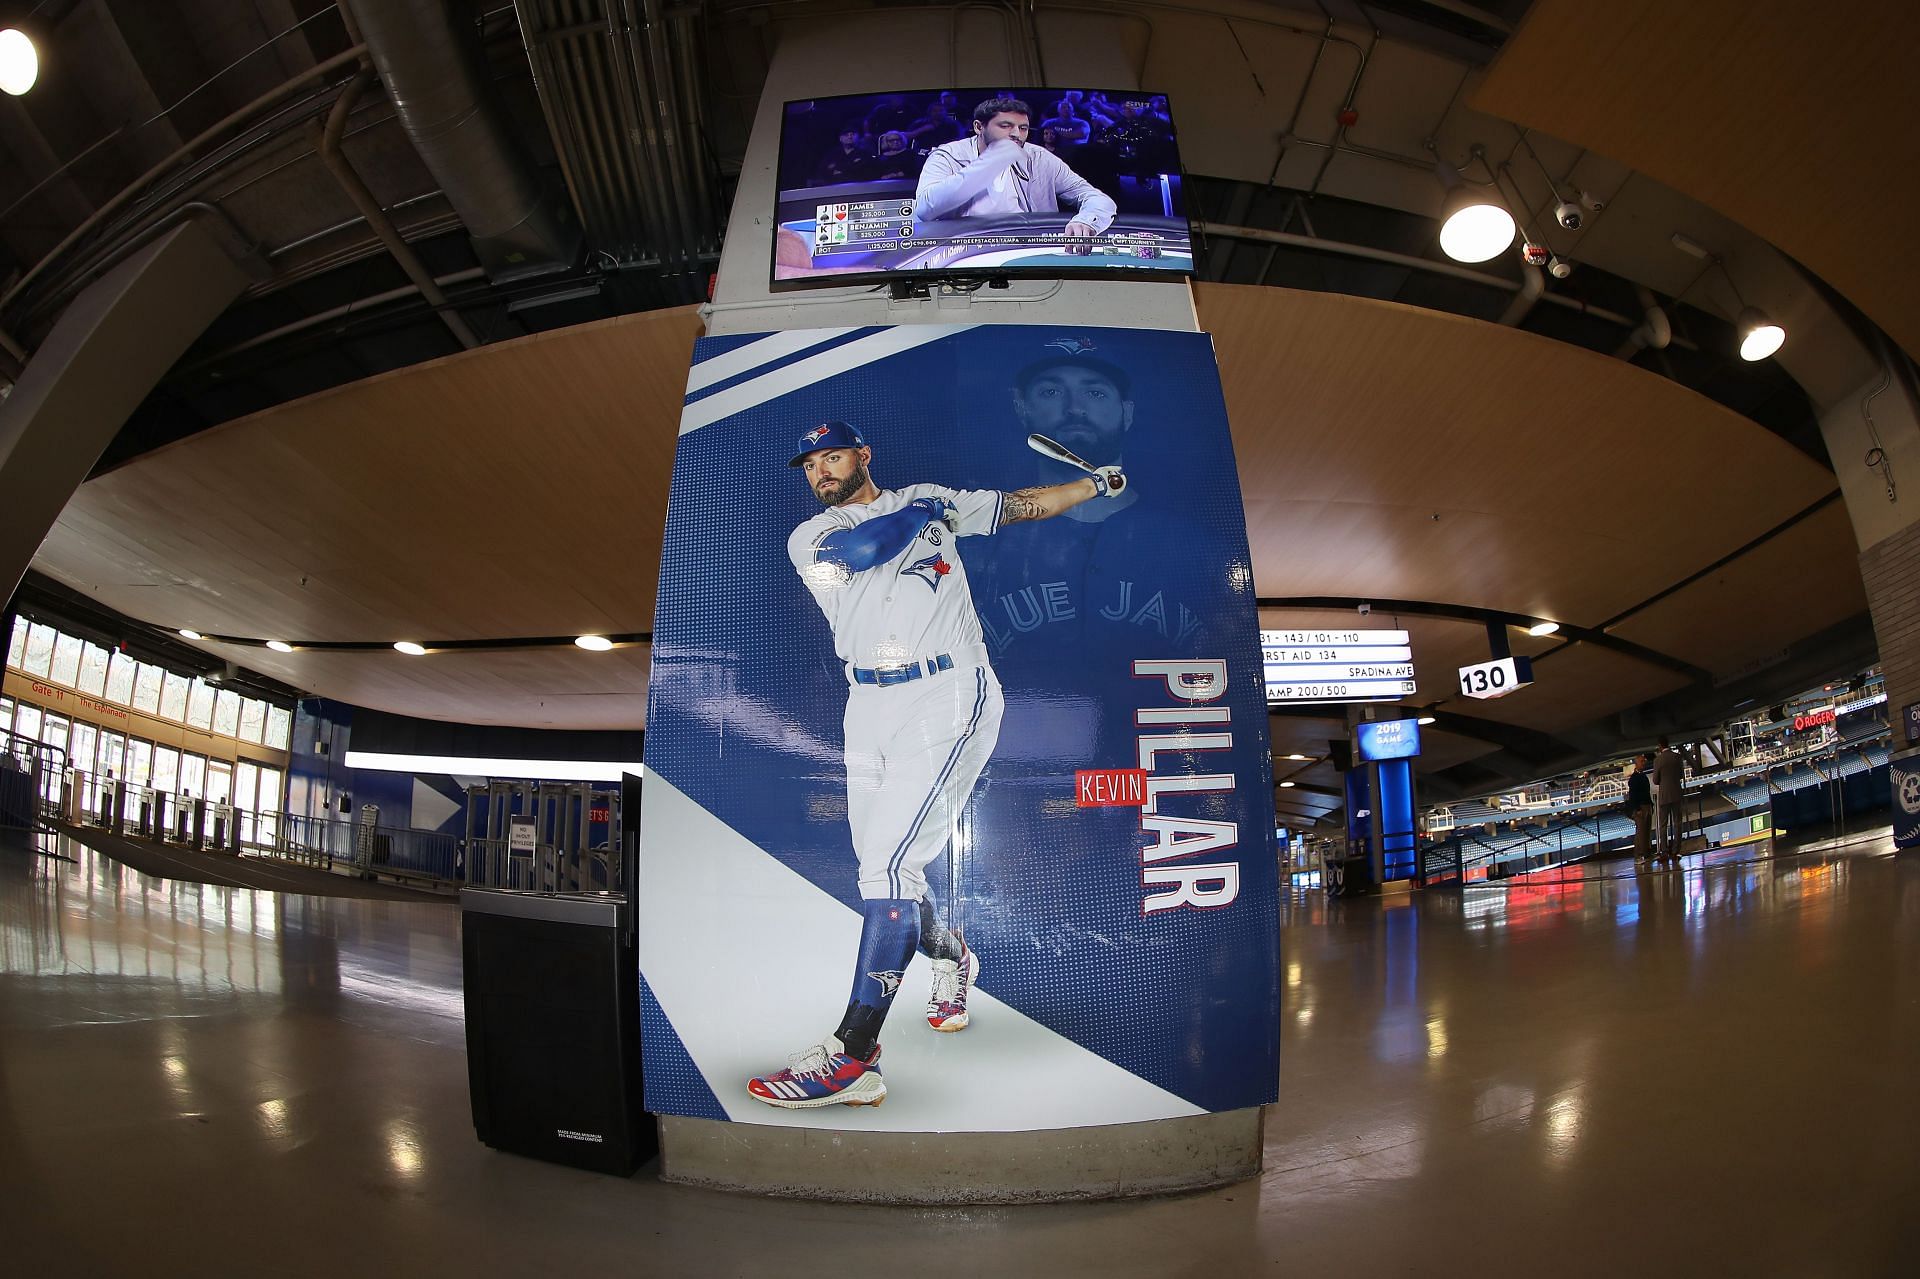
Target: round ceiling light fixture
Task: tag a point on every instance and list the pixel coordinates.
(189, 633)
(19, 62)
(594, 643)
(280, 646)
(1286, 785)
(1474, 226)
(410, 648)
(1541, 629)
(1759, 335)
(1425, 720)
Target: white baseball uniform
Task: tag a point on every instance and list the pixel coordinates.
(915, 743)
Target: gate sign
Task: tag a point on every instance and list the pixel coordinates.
(1488, 680)
(520, 837)
(1336, 666)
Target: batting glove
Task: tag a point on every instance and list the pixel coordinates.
(1108, 482)
(937, 508)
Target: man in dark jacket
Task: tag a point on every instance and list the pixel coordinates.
(1640, 808)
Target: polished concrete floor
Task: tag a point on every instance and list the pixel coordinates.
(1713, 1071)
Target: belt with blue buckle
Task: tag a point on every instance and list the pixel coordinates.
(904, 673)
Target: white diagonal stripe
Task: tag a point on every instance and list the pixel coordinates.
(775, 346)
(815, 368)
(1006, 1072)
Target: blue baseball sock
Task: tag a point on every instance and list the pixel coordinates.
(888, 936)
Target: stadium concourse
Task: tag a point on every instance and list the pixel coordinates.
(1564, 1078)
(397, 402)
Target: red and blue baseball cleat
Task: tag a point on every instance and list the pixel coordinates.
(952, 983)
(823, 1075)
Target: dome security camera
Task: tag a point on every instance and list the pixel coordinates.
(1569, 215)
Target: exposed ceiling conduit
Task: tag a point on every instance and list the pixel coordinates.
(1533, 283)
(1654, 332)
(1371, 254)
(435, 72)
(326, 144)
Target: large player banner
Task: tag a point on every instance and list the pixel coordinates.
(1110, 868)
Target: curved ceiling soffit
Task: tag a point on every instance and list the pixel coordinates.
(1796, 127)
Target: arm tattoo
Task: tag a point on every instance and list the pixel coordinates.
(1022, 504)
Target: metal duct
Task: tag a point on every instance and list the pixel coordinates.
(435, 72)
(619, 81)
(1654, 332)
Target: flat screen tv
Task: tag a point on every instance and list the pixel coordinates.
(977, 184)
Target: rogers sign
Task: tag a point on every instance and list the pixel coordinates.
(1813, 719)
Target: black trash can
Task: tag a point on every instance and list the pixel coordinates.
(553, 1028)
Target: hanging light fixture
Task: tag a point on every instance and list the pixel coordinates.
(19, 62)
(1475, 225)
(1759, 335)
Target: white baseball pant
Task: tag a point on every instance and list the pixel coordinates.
(914, 752)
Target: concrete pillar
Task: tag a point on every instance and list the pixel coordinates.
(109, 349)
(875, 51)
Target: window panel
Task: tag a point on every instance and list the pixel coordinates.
(80, 748)
(219, 781)
(110, 759)
(26, 722)
(166, 769)
(253, 720)
(246, 781)
(93, 671)
(140, 762)
(66, 659)
(200, 705)
(173, 697)
(268, 796)
(279, 727)
(54, 732)
(39, 649)
(146, 688)
(226, 713)
(120, 669)
(17, 643)
(6, 714)
(193, 775)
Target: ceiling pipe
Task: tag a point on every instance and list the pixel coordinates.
(1653, 333)
(326, 143)
(435, 73)
(1533, 283)
(285, 90)
(358, 306)
(1371, 254)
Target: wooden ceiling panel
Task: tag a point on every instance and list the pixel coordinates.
(528, 687)
(514, 490)
(1810, 572)
(1357, 422)
(1794, 120)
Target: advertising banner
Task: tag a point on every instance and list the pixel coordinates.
(958, 791)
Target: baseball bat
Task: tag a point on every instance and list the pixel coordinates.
(1061, 453)
(1058, 452)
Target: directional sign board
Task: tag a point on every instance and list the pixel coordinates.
(1488, 680)
(1336, 666)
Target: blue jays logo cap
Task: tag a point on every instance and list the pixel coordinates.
(1079, 353)
(828, 435)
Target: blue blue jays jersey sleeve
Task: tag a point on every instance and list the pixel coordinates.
(976, 511)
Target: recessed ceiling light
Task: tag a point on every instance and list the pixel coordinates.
(189, 634)
(1285, 785)
(1539, 629)
(1302, 757)
(1426, 719)
(410, 648)
(280, 646)
(594, 643)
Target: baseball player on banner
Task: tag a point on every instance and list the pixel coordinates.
(922, 719)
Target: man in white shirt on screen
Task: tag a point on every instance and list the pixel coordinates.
(995, 171)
